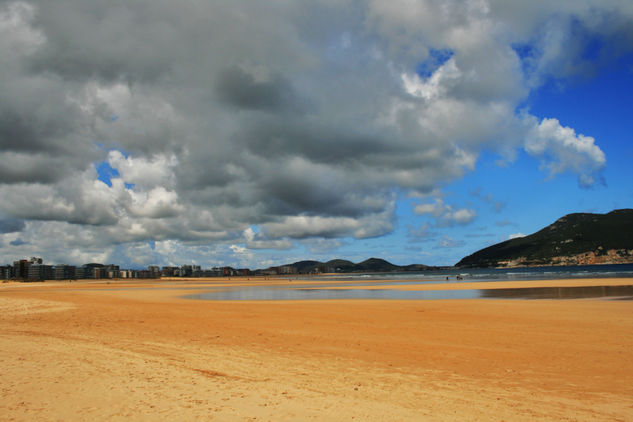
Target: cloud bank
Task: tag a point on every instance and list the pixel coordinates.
(303, 119)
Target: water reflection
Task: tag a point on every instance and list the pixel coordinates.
(585, 292)
(276, 293)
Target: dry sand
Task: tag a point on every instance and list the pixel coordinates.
(135, 351)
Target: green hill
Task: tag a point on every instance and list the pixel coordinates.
(306, 266)
(371, 265)
(376, 265)
(575, 239)
(340, 265)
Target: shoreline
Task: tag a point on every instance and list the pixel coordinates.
(135, 351)
(168, 288)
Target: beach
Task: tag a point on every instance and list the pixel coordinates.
(139, 351)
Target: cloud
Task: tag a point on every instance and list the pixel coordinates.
(498, 206)
(504, 223)
(156, 203)
(240, 89)
(11, 225)
(144, 172)
(437, 85)
(516, 236)
(321, 246)
(305, 119)
(560, 149)
(300, 227)
(479, 235)
(254, 240)
(447, 242)
(423, 232)
(444, 213)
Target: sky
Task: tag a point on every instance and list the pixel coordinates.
(253, 134)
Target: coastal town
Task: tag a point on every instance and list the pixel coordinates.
(34, 269)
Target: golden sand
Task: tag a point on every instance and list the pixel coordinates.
(136, 351)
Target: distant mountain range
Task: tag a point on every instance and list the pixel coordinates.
(575, 239)
(371, 265)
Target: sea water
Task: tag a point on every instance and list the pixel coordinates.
(303, 288)
(496, 274)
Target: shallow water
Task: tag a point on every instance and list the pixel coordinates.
(492, 274)
(287, 293)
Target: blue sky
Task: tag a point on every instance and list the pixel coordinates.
(245, 134)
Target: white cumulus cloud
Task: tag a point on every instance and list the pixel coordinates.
(561, 149)
(445, 214)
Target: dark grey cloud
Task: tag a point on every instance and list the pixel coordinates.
(11, 225)
(108, 42)
(28, 130)
(314, 140)
(240, 89)
(22, 168)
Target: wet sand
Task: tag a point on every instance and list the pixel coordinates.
(97, 351)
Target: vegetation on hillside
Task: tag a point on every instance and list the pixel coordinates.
(571, 235)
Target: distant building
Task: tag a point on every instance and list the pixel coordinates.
(168, 271)
(6, 272)
(92, 270)
(213, 272)
(65, 272)
(286, 269)
(80, 272)
(100, 272)
(154, 271)
(269, 271)
(21, 269)
(40, 272)
(186, 271)
(230, 271)
(127, 273)
(190, 271)
(112, 271)
(147, 274)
